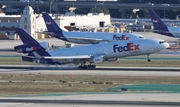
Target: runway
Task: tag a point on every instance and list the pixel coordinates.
(92, 102)
(100, 70)
(98, 100)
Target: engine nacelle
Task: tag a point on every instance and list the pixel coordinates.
(98, 59)
(29, 48)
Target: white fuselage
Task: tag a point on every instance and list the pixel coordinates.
(115, 49)
(110, 37)
(175, 31)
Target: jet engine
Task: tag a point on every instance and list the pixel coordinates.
(98, 59)
(29, 48)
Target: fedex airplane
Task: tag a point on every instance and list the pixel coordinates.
(97, 53)
(84, 37)
(161, 28)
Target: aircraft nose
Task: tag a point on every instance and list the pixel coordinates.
(166, 45)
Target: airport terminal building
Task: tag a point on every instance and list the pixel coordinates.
(33, 23)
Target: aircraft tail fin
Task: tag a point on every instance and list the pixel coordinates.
(50, 23)
(30, 44)
(157, 22)
(52, 27)
(25, 37)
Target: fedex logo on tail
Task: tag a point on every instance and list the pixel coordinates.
(156, 21)
(123, 37)
(128, 47)
(49, 23)
(31, 49)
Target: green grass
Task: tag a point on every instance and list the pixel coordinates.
(13, 61)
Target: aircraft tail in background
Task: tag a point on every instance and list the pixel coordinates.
(158, 24)
(50, 23)
(53, 29)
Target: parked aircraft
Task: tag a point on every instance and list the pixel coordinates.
(161, 28)
(97, 53)
(84, 37)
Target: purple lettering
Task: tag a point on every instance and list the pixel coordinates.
(128, 47)
(123, 37)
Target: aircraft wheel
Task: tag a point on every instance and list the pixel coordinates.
(34, 61)
(80, 67)
(85, 67)
(93, 66)
(149, 60)
(89, 66)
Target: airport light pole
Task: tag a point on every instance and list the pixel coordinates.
(164, 12)
(73, 4)
(37, 8)
(51, 1)
(95, 8)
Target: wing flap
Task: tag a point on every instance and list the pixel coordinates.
(68, 57)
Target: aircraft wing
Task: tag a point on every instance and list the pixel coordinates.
(165, 31)
(68, 57)
(62, 57)
(46, 32)
(92, 40)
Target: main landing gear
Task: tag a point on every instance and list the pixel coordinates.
(87, 66)
(148, 58)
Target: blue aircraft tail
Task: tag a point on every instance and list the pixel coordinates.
(53, 27)
(30, 44)
(50, 23)
(25, 37)
(157, 22)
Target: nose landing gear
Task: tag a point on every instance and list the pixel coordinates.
(148, 58)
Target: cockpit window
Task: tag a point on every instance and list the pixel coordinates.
(161, 42)
(141, 37)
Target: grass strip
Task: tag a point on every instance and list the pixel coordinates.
(29, 84)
